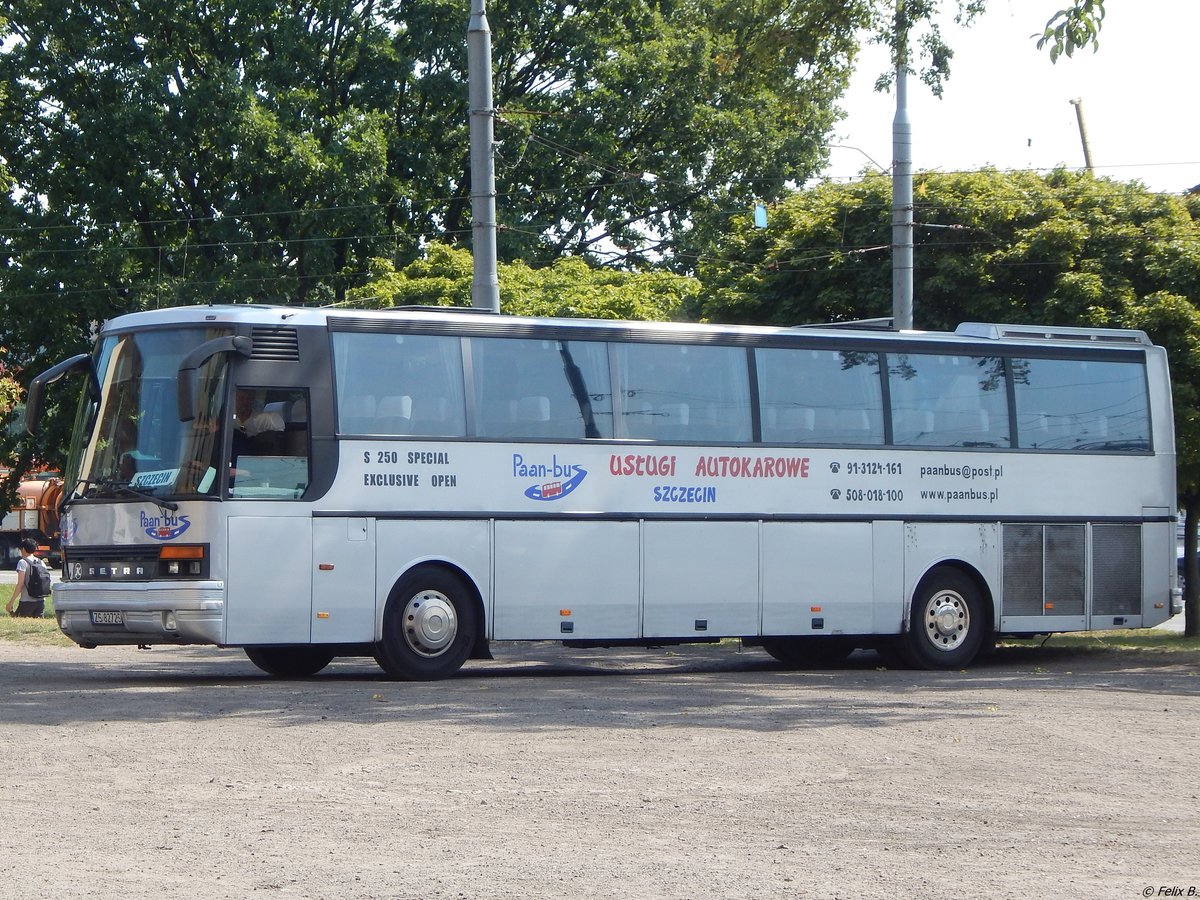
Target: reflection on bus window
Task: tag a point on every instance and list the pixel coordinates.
(269, 456)
(820, 396)
(1072, 404)
(948, 400)
(541, 389)
(400, 384)
(674, 392)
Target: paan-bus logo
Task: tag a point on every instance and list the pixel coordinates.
(164, 527)
(557, 479)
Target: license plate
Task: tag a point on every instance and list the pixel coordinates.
(105, 617)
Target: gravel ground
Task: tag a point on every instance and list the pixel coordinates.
(699, 772)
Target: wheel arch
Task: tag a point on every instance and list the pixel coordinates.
(480, 642)
(970, 571)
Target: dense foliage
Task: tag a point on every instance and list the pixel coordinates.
(568, 287)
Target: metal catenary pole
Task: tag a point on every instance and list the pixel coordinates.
(902, 189)
(485, 285)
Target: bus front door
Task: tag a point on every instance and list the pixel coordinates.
(269, 580)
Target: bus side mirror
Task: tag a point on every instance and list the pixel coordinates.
(187, 384)
(36, 398)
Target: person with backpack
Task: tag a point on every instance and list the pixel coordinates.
(33, 584)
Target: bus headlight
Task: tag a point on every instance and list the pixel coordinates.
(177, 560)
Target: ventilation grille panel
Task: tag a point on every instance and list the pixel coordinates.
(275, 343)
(1116, 570)
(1022, 570)
(1066, 569)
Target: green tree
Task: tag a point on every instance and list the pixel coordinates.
(569, 287)
(1057, 249)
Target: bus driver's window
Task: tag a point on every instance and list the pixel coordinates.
(269, 447)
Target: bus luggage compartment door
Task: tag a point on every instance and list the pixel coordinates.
(566, 580)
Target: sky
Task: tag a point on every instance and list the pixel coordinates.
(1006, 105)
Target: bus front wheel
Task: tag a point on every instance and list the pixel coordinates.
(948, 622)
(290, 662)
(429, 626)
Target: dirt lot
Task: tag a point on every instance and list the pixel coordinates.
(694, 773)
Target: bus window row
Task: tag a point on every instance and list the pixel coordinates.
(520, 388)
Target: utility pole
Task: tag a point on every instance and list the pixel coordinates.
(1087, 151)
(902, 189)
(485, 285)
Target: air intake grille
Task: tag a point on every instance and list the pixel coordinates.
(1023, 570)
(1066, 551)
(1044, 570)
(1116, 570)
(275, 343)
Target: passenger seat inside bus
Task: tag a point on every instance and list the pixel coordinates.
(792, 424)
(533, 418)
(393, 414)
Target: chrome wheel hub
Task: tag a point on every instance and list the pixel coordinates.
(947, 620)
(430, 623)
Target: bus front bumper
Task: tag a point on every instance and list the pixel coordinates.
(94, 614)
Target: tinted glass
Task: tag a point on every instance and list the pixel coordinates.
(541, 388)
(673, 392)
(948, 401)
(405, 384)
(1065, 404)
(820, 396)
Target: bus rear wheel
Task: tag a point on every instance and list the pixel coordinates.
(290, 662)
(948, 622)
(429, 626)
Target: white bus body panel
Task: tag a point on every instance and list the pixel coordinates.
(928, 544)
(567, 580)
(818, 578)
(271, 600)
(701, 579)
(343, 565)
(403, 544)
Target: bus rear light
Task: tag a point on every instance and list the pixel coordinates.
(814, 609)
(564, 612)
(1049, 606)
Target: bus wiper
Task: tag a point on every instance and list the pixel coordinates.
(123, 488)
(78, 489)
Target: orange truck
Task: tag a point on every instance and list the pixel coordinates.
(35, 515)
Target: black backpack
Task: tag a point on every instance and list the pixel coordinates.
(37, 579)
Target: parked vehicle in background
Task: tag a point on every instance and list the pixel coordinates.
(35, 515)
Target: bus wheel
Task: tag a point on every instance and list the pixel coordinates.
(429, 626)
(948, 623)
(808, 652)
(290, 662)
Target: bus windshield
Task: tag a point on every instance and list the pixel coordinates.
(137, 445)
